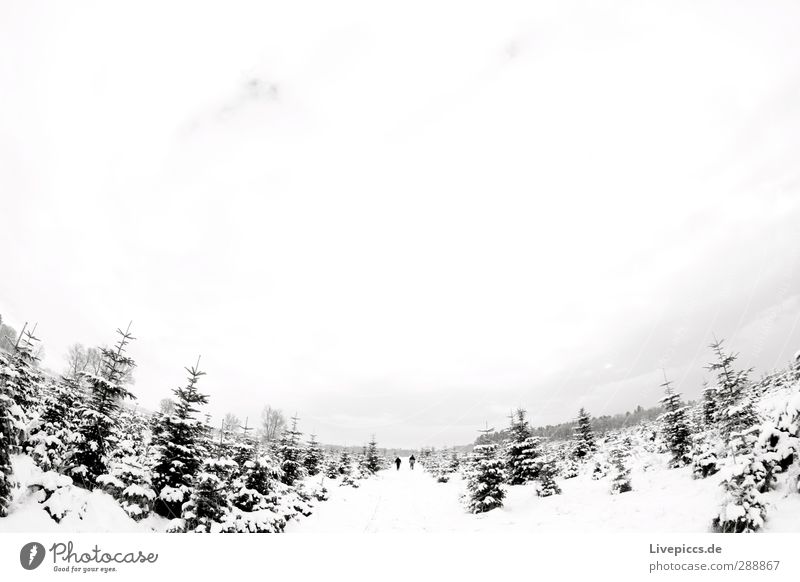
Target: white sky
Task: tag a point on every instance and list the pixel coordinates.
(404, 218)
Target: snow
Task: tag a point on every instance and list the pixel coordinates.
(79, 510)
(663, 500)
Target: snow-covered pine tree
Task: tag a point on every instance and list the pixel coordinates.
(709, 407)
(600, 468)
(372, 459)
(568, 468)
(584, 436)
(209, 505)
(455, 461)
(99, 412)
(621, 479)
(50, 443)
(522, 450)
(345, 464)
(736, 409)
(30, 378)
(704, 456)
(20, 380)
(180, 442)
(129, 482)
(7, 438)
(332, 466)
(290, 452)
(743, 508)
(485, 477)
(547, 479)
(676, 426)
(256, 496)
(779, 442)
(255, 489)
(314, 456)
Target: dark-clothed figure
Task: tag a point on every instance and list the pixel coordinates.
(411, 461)
(397, 462)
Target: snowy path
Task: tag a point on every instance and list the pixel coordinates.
(664, 500)
(391, 501)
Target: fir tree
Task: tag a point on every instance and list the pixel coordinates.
(7, 482)
(743, 508)
(345, 465)
(372, 460)
(313, 459)
(676, 426)
(709, 410)
(98, 416)
(20, 381)
(50, 442)
(584, 436)
(291, 453)
(522, 450)
(736, 410)
(547, 478)
(332, 467)
(484, 478)
(180, 442)
(210, 501)
(621, 480)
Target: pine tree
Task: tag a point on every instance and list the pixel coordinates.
(56, 433)
(255, 489)
(7, 432)
(345, 464)
(547, 479)
(98, 415)
(676, 426)
(371, 457)
(709, 405)
(584, 436)
(180, 443)
(313, 459)
(621, 481)
(743, 508)
(291, 453)
(736, 409)
(484, 478)
(332, 467)
(20, 381)
(522, 450)
(210, 502)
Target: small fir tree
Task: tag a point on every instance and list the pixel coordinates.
(485, 478)
(522, 450)
(99, 414)
(547, 479)
(291, 453)
(736, 410)
(180, 443)
(621, 481)
(676, 426)
(709, 409)
(314, 457)
(584, 436)
(371, 457)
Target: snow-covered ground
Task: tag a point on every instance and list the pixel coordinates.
(85, 511)
(663, 500)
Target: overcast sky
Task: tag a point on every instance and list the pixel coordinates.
(405, 218)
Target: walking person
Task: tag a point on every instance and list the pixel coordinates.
(411, 461)
(397, 462)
